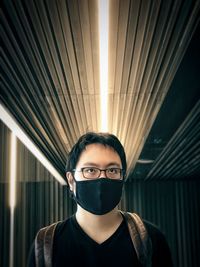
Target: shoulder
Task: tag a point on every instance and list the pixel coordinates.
(153, 230)
(59, 227)
(161, 255)
(64, 228)
(157, 236)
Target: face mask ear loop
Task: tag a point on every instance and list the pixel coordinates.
(71, 193)
(73, 176)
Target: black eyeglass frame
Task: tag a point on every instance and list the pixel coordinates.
(122, 172)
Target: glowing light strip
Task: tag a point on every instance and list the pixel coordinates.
(13, 170)
(103, 37)
(12, 197)
(11, 245)
(8, 120)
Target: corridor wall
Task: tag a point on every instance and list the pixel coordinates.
(40, 200)
(174, 206)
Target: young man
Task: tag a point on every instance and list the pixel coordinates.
(98, 234)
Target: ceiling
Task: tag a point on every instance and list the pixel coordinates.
(50, 79)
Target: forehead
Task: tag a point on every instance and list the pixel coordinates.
(99, 155)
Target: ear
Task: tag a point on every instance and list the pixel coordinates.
(70, 180)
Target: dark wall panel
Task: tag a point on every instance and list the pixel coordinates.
(174, 207)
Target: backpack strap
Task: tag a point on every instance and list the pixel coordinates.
(44, 245)
(139, 237)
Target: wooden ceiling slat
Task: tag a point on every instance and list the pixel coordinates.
(34, 94)
(116, 111)
(61, 129)
(40, 140)
(88, 124)
(123, 109)
(63, 88)
(87, 45)
(182, 145)
(94, 29)
(82, 110)
(25, 85)
(71, 70)
(184, 150)
(51, 60)
(143, 104)
(112, 44)
(139, 52)
(78, 124)
(185, 168)
(78, 43)
(191, 124)
(65, 73)
(189, 168)
(125, 119)
(47, 43)
(121, 43)
(178, 158)
(98, 105)
(118, 101)
(120, 39)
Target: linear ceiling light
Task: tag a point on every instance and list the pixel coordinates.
(103, 46)
(8, 120)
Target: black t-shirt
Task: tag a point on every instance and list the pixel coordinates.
(74, 248)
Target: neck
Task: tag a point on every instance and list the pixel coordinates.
(87, 219)
(98, 227)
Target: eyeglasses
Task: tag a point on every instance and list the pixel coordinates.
(94, 173)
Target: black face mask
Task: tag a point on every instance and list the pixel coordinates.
(98, 196)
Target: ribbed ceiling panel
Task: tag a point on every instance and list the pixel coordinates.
(50, 71)
(150, 38)
(181, 156)
(50, 66)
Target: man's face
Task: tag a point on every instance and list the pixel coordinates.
(95, 155)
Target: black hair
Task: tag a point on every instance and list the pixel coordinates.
(105, 139)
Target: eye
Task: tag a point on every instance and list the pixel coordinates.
(113, 170)
(90, 170)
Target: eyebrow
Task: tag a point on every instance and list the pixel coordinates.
(92, 164)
